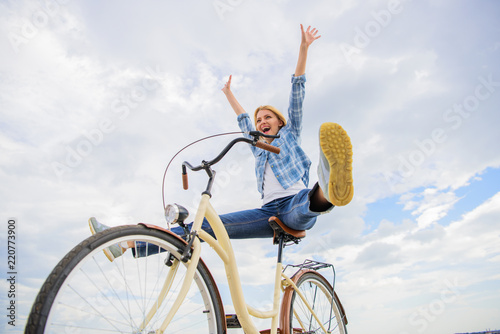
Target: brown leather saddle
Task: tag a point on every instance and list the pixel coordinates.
(281, 230)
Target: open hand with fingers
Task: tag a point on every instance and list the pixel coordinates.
(309, 35)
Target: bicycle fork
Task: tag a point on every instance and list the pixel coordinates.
(163, 293)
(186, 285)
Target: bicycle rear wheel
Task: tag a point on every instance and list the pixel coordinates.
(296, 316)
(86, 293)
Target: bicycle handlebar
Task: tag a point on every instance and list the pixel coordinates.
(185, 183)
(206, 165)
(257, 134)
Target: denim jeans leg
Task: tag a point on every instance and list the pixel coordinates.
(239, 225)
(242, 224)
(295, 211)
(143, 249)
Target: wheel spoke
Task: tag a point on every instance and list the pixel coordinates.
(318, 295)
(87, 293)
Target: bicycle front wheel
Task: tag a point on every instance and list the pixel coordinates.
(87, 293)
(316, 292)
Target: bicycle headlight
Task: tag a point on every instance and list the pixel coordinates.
(175, 213)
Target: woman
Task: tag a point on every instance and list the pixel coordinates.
(282, 179)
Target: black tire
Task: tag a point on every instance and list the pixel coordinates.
(87, 293)
(318, 292)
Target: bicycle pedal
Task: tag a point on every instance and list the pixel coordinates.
(232, 321)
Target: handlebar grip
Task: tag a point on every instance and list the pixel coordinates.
(268, 147)
(185, 183)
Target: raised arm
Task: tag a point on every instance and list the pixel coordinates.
(308, 37)
(238, 109)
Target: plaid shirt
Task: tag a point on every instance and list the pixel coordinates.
(292, 164)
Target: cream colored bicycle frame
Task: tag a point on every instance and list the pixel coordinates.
(223, 248)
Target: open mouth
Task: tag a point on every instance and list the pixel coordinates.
(266, 129)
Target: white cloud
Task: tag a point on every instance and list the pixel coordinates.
(431, 206)
(79, 83)
(417, 268)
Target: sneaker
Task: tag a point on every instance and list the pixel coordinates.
(335, 164)
(95, 226)
(113, 251)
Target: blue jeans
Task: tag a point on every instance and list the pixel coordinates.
(294, 211)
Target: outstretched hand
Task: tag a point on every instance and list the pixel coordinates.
(238, 109)
(227, 87)
(309, 35)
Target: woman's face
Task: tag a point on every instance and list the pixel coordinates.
(268, 123)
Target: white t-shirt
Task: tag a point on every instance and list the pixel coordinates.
(274, 190)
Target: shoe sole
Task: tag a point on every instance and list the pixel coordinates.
(106, 251)
(337, 149)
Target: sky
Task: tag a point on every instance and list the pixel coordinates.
(96, 98)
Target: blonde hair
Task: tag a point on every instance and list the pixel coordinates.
(272, 109)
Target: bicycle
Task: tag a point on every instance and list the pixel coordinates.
(170, 289)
